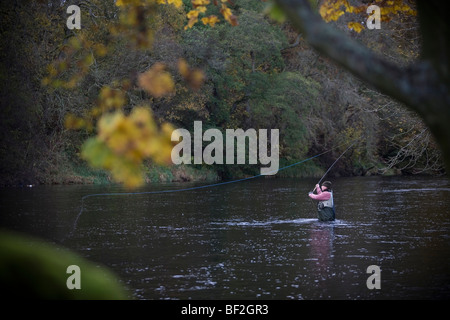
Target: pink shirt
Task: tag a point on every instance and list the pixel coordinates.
(321, 195)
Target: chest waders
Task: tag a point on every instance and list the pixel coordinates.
(326, 210)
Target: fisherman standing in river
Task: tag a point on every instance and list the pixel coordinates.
(325, 206)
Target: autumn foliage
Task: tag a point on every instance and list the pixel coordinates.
(223, 62)
(332, 10)
(124, 141)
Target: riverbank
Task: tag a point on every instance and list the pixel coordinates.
(81, 174)
(67, 171)
(71, 172)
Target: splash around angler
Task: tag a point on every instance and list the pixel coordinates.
(258, 145)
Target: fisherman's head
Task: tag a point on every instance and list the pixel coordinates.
(327, 185)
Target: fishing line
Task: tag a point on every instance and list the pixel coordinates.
(191, 188)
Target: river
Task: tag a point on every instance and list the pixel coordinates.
(255, 239)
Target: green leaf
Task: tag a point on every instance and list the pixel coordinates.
(276, 13)
(33, 269)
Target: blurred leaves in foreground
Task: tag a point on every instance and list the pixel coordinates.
(125, 139)
(32, 269)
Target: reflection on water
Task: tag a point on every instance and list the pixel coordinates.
(254, 239)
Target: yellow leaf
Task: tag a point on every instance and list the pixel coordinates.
(211, 20)
(355, 26)
(110, 98)
(330, 10)
(198, 3)
(201, 9)
(183, 67)
(192, 14)
(176, 3)
(228, 15)
(191, 23)
(194, 77)
(73, 122)
(156, 81)
(226, 12)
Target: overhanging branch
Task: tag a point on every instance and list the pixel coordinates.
(419, 86)
(411, 86)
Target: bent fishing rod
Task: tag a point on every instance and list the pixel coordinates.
(332, 165)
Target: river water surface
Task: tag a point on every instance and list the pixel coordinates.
(256, 239)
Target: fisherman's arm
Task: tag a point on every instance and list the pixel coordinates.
(318, 191)
(323, 196)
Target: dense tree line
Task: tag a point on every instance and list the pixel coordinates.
(258, 74)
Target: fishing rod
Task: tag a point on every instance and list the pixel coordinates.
(332, 165)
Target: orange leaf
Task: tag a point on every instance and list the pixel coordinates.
(156, 81)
